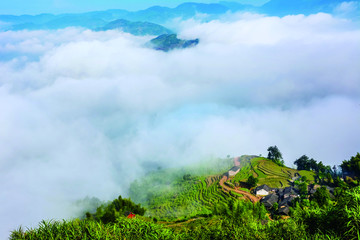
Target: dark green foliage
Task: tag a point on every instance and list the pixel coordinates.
(306, 163)
(167, 42)
(187, 177)
(340, 220)
(275, 155)
(252, 181)
(302, 186)
(329, 178)
(338, 183)
(303, 189)
(313, 165)
(352, 165)
(321, 196)
(108, 213)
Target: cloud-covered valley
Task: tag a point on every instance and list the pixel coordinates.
(84, 113)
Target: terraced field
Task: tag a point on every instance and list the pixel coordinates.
(196, 200)
(246, 194)
(269, 173)
(178, 196)
(174, 195)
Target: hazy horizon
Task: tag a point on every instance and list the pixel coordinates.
(19, 7)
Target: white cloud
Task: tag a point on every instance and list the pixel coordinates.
(83, 111)
(347, 8)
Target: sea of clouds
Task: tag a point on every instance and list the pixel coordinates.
(84, 113)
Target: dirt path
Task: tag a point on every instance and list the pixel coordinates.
(249, 196)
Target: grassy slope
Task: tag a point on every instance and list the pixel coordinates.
(168, 196)
(269, 173)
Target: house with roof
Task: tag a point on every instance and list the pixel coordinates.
(233, 171)
(284, 210)
(286, 201)
(269, 200)
(279, 192)
(263, 190)
(290, 192)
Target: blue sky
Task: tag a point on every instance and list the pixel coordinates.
(64, 6)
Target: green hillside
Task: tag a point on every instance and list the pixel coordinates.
(193, 191)
(200, 202)
(182, 193)
(269, 173)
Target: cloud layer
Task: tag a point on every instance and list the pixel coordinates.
(84, 113)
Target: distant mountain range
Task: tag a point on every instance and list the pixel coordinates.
(160, 15)
(136, 28)
(97, 20)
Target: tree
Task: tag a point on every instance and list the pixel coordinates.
(275, 155)
(303, 163)
(352, 165)
(321, 167)
(252, 181)
(302, 186)
(334, 171)
(321, 196)
(109, 212)
(314, 165)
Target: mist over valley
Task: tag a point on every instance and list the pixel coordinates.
(86, 110)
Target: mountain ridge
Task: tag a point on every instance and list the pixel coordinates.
(160, 15)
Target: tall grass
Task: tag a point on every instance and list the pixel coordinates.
(88, 229)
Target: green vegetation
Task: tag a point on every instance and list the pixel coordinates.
(188, 203)
(234, 219)
(305, 163)
(308, 174)
(107, 213)
(193, 191)
(123, 228)
(167, 42)
(269, 173)
(352, 165)
(321, 196)
(275, 155)
(252, 181)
